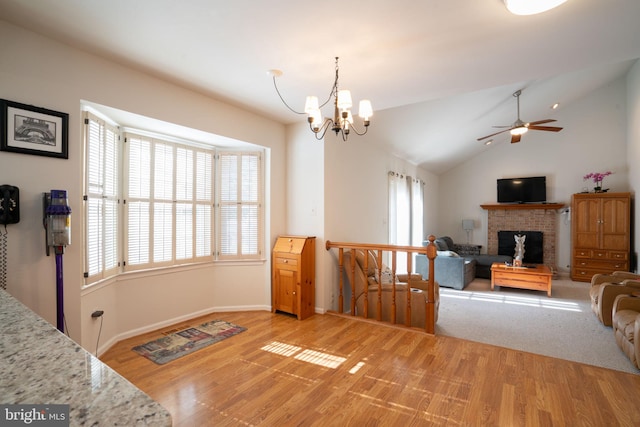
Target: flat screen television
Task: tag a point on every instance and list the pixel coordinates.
(522, 190)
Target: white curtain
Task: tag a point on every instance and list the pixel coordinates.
(400, 215)
(417, 214)
(406, 201)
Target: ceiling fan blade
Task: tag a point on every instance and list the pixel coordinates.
(547, 128)
(493, 134)
(539, 122)
(515, 138)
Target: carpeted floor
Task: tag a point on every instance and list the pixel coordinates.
(562, 326)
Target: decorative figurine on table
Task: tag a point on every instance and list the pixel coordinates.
(519, 255)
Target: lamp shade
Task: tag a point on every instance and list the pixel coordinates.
(344, 99)
(311, 104)
(365, 110)
(467, 224)
(531, 7)
(519, 130)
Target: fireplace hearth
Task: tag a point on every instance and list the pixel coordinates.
(533, 245)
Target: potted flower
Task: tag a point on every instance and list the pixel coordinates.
(597, 178)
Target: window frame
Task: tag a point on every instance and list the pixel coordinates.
(201, 251)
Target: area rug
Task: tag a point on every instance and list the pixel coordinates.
(186, 341)
(562, 326)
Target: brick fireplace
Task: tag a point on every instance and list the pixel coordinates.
(530, 217)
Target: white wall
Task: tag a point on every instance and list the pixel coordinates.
(35, 70)
(356, 188)
(633, 144)
(593, 140)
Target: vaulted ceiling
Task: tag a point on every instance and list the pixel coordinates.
(445, 68)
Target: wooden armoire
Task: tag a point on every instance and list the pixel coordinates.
(293, 282)
(600, 234)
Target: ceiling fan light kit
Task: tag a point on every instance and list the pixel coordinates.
(531, 7)
(342, 121)
(519, 128)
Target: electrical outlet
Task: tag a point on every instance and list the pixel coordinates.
(97, 313)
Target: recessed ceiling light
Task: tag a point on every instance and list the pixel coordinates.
(531, 7)
(554, 106)
(488, 142)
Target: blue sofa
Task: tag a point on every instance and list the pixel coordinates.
(457, 264)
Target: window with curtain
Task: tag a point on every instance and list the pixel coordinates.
(173, 200)
(406, 196)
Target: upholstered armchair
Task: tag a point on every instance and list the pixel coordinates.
(626, 326)
(606, 287)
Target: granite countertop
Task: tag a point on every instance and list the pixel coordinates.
(40, 365)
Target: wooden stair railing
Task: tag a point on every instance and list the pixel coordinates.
(429, 251)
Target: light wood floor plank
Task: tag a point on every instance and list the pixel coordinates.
(331, 370)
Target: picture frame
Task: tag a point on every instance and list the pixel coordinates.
(28, 129)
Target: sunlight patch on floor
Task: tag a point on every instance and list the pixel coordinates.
(544, 302)
(311, 356)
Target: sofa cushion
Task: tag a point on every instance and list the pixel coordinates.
(371, 265)
(625, 320)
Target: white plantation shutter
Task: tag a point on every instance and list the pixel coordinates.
(138, 204)
(173, 194)
(169, 203)
(203, 203)
(240, 205)
(101, 198)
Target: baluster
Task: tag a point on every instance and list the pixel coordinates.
(365, 303)
(407, 320)
(379, 311)
(393, 288)
(341, 280)
(352, 281)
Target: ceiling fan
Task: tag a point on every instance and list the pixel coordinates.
(518, 128)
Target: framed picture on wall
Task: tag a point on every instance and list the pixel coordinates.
(33, 130)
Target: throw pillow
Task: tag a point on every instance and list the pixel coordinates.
(448, 253)
(441, 245)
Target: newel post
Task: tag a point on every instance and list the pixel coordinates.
(430, 321)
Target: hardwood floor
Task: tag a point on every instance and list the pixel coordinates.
(331, 370)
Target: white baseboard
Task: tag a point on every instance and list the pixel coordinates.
(159, 325)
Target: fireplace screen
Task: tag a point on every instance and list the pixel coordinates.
(533, 246)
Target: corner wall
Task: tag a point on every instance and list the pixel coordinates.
(38, 71)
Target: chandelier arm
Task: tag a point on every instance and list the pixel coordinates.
(322, 130)
(282, 99)
(355, 129)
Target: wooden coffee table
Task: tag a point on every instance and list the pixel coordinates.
(536, 278)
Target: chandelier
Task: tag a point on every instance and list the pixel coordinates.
(342, 121)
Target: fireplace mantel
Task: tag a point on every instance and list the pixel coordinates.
(523, 206)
